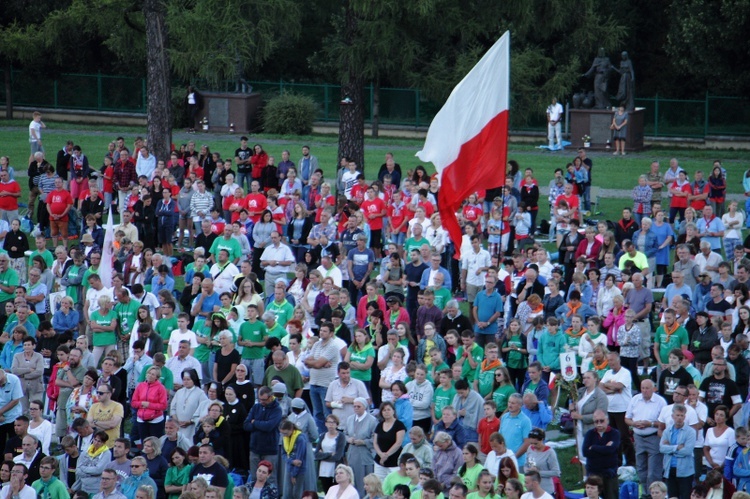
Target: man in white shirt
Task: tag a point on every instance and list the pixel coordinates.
(498, 452)
(96, 291)
(35, 136)
(542, 261)
(145, 164)
(180, 334)
(708, 261)
(277, 260)
(16, 488)
(349, 178)
(328, 269)
(474, 265)
(617, 384)
(223, 272)
(145, 298)
(554, 125)
(130, 230)
(642, 414)
(322, 362)
(343, 391)
(183, 360)
(532, 482)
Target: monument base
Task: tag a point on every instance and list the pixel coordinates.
(595, 123)
(226, 109)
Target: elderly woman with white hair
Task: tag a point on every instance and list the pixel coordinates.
(359, 430)
(227, 360)
(447, 459)
(344, 488)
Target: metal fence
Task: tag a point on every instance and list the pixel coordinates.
(697, 118)
(96, 92)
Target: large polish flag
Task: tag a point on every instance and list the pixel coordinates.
(468, 138)
(105, 267)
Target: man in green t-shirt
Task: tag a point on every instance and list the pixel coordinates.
(41, 250)
(95, 258)
(253, 336)
(73, 278)
(437, 364)
(274, 328)
(469, 356)
(444, 394)
(127, 315)
(442, 294)
(287, 372)
(668, 336)
(8, 281)
(228, 243)
(168, 322)
(280, 307)
(414, 242)
(166, 377)
(485, 374)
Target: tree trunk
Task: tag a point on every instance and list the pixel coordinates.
(375, 108)
(8, 92)
(159, 113)
(352, 116)
(352, 122)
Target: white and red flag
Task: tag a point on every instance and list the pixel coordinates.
(468, 138)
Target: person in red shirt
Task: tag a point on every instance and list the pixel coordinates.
(59, 204)
(277, 212)
(699, 191)
(255, 202)
(234, 204)
(194, 167)
(473, 212)
(679, 192)
(259, 160)
(488, 425)
(574, 203)
(359, 190)
(325, 198)
(107, 183)
(374, 210)
(10, 191)
(398, 220)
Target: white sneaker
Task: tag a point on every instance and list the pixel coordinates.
(615, 153)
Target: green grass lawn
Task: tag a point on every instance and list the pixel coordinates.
(609, 172)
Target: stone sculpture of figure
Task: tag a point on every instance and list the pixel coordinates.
(626, 90)
(601, 67)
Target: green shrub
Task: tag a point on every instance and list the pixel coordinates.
(289, 114)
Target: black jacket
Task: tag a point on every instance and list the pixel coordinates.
(306, 228)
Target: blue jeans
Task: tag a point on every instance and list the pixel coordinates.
(241, 177)
(320, 411)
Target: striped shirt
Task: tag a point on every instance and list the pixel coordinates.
(47, 183)
(201, 202)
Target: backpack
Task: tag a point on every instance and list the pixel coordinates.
(629, 490)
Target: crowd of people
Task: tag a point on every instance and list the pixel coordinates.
(326, 339)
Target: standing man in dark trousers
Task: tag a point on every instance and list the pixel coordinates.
(600, 447)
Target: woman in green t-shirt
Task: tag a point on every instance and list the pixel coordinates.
(178, 475)
(360, 356)
(103, 323)
(514, 350)
(470, 470)
(485, 487)
(501, 389)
